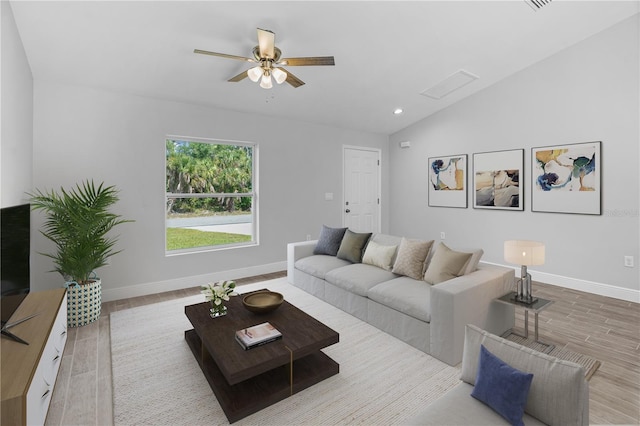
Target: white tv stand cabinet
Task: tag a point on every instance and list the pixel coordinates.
(29, 371)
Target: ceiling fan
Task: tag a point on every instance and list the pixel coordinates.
(268, 58)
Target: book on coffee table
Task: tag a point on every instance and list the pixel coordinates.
(257, 335)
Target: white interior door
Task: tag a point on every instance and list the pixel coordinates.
(361, 205)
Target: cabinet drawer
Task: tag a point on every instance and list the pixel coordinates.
(39, 396)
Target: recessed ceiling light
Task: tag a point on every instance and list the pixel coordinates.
(398, 111)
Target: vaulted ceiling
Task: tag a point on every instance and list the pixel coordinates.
(386, 52)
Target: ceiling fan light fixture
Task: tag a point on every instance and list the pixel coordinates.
(266, 83)
(255, 73)
(279, 75)
(267, 57)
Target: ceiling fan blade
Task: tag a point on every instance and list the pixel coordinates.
(314, 60)
(239, 77)
(223, 55)
(292, 79)
(267, 43)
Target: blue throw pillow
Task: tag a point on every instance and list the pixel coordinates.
(329, 240)
(502, 387)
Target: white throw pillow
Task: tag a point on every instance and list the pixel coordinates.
(379, 255)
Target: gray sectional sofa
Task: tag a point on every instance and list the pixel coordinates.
(558, 394)
(428, 316)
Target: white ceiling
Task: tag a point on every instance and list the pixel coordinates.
(386, 52)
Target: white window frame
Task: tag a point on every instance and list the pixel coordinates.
(254, 194)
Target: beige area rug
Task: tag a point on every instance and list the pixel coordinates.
(157, 381)
(590, 364)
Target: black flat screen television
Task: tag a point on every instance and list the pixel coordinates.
(15, 233)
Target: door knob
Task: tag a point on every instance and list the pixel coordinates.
(347, 211)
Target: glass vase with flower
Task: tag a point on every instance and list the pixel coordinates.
(217, 293)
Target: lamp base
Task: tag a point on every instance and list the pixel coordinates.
(527, 300)
(523, 293)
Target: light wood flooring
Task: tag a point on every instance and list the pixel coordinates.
(604, 328)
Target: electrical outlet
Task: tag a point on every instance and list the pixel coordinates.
(442, 235)
(308, 237)
(628, 261)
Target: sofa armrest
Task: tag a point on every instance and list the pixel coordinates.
(297, 251)
(469, 299)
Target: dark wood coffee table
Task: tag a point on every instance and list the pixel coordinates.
(248, 381)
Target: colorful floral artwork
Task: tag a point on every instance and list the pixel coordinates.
(566, 179)
(448, 176)
(447, 181)
(497, 180)
(565, 169)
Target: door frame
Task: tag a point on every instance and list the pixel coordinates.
(342, 204)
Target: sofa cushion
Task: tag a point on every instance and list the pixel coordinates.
(352, 246)
(501, 387)
(411, 257)
(318, 265)
(456, 407)
(405, 295)
(358, 278)
(379, 255)
(559, 391)
(445, 265)
(329, 240)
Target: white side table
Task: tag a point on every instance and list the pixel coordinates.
(536, 307)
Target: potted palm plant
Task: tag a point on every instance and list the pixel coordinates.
(78, 221)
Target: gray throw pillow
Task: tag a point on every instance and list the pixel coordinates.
(329, 240)
(352, 246)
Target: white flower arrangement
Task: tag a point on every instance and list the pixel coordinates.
(217, 292)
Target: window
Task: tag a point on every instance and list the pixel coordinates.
(211, 197)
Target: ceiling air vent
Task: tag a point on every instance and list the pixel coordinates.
(450, 84)
(537, 4)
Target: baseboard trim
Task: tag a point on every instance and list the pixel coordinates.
(145, 289)
(593, 287)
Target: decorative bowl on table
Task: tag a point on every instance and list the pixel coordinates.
(262, 302)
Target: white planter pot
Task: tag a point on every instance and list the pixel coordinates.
(84, 303)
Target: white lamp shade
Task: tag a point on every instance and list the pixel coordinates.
(254, 74)
(279, 75)
(524, 252)
(266, 83)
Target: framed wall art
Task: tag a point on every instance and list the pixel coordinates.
(567, 178)
(448, 181)
(497, 180)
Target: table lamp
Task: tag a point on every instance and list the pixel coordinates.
(524, 253)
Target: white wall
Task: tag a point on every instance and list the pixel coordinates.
(589, 92)
(84, 133)
(16, 91)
